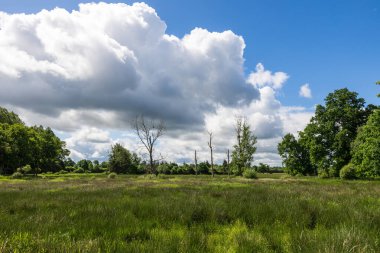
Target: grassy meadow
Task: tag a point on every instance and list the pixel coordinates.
(275, 213)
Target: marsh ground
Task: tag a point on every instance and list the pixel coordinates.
(275, 213)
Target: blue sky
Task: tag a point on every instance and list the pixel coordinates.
(328, 44)
(87, 76)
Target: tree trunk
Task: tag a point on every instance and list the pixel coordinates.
(196, 162)
(212, 163)
(228, 162)
(212, 160)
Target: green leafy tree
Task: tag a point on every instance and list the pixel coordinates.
(242, 155)
(120, 159)
(104, 165)
(164, 168)
(224, 167)
(366, 147)
(96, 167)
(21, 145)
(263, 168)
(295, 156)
(69, 162)
(378, 83)
(330, 132)
(136, 161)
(204, 168)
(85, 164)
(7, 117)
(51, 151)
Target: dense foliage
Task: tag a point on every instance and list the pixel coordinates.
(295, 156)
(324, 146)
(366, 147)
(122, 161)
(7, 117)
(21, 145)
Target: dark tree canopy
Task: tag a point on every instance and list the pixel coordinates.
(121, 160)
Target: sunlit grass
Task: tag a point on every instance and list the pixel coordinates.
(91, 213)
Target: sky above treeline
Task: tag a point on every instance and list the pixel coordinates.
(87, 69)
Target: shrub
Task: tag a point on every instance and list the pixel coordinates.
(348, 172)
(263, 168)
(79, 170)
(16, 175)
(249, 173)
(323, 174)
(62, 172)
(70, 168)
(112, 175)
(25, 169)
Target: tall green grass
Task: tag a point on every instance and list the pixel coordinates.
(188, 214)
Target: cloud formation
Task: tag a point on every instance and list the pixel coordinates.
(88, 73)
(305, 91)
(118, 58)
(262, 78)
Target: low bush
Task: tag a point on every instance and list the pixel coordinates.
(27, 169)
(79, 170)
(112, 175)
(323, 174)
(70, 168)
(16, 175)
(62, 172)
(249, 173)
(348, 172)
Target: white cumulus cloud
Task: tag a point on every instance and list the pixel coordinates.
(263, 77)
(305, 91)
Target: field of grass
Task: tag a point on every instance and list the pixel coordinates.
(275, 213)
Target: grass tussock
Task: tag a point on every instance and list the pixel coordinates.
(74, 213)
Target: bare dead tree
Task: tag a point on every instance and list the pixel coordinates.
(238, 128)
(212, 159)
(228, 162)
(196, 162)
(148, 133)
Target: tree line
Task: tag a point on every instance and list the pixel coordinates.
(341, 139)
(35, 149)
(122, 160)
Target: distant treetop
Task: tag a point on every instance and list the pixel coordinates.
(10, 118)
